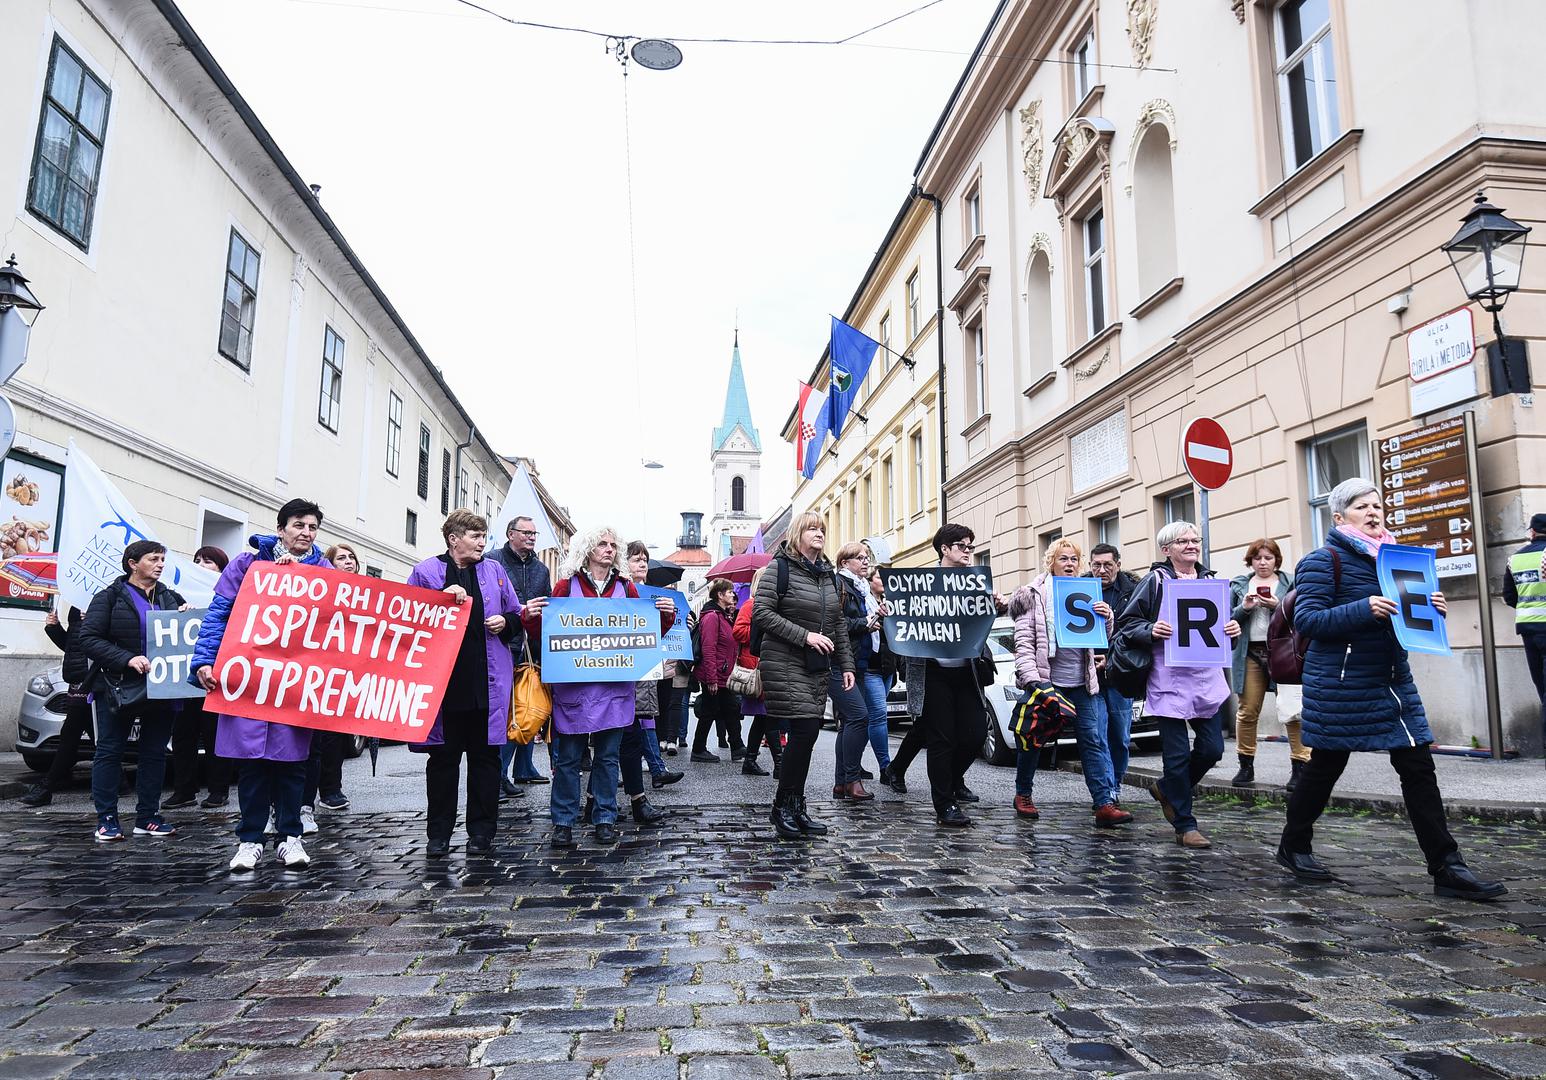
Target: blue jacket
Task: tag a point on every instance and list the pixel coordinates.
(1358, 688)
(212, 626)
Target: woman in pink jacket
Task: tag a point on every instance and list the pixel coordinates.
(1038, 659)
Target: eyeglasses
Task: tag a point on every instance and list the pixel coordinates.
(526, 532)
(965, 545)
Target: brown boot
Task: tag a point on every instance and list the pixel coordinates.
(1194, 840)
(856, 792)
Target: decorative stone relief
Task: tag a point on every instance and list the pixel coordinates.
(1158, 111)
(1141, 15)
(1238, 7)
(1089, 370)
(1043, 243)
(1030, 147)
(1076, 140)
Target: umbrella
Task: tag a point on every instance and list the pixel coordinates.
(740, 568)
(662, 575)
(374, 746)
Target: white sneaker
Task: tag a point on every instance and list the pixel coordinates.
(308, 821)
(270, 829)
(247, 856)
(293, 852)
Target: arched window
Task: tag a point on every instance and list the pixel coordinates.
(1038, 305)
(1155, 209)
(738, 495)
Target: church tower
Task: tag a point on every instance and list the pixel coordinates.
(736, 457)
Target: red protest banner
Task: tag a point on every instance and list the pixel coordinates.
(337, 652)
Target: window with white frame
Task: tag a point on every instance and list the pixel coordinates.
(462, 480)
(1180, 505)
(1083, 59)
(888, 493)
(411, 529)
(913, 301)
(972, 212)
(915, 448)
(1093, 229)
(869, 505)
(423, 461)
(330, 395)
(1329, 460)
(978, 338)
(67, 158)
(885, 340)
(394, 444)
(240, 305)
(1107, 529)
(1306, 80)
(445, 481)
(477, 495)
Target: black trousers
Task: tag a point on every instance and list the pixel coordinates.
(953, 725)
(325, 766)
(77, 721)
(763, 728)
(466, 732)
(190, 727)
(797, 757)
(725, 710)
(1419, 790)
(1535, 656)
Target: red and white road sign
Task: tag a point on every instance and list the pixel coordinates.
(1205, 449)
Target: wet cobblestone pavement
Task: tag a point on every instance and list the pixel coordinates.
(708, 951)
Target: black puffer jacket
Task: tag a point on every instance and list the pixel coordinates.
(110, 634)
(67, 635)
(812, 604)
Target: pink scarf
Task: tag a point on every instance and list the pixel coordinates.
(1367, 543)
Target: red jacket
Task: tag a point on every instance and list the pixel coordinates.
(743, 635)
(532, 620)
(717, 637)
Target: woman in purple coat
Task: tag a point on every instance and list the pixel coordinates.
(271, 757)
(476, 707)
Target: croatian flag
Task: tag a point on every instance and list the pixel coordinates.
(813, 429)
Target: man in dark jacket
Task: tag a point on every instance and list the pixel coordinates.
(530, 578)
(1524, 590)
(1116, 589)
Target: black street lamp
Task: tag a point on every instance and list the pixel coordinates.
(15, 294)
(1488, 255)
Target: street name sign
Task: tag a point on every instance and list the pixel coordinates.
(1425, 483)
(1440, 355)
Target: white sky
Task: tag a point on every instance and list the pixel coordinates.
(478, 169)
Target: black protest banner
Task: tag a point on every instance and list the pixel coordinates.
(939, 612)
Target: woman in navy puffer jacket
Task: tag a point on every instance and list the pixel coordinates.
(1359, 694)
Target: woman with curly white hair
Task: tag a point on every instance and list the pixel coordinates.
(595, 712)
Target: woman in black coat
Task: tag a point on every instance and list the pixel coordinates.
(77, 717)
(112, 636)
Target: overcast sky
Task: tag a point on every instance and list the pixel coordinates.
(479, 170)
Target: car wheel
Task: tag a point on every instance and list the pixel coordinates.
(994, 747)
(355, 746)
(38, 763)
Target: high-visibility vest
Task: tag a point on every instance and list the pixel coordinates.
(1525, 566)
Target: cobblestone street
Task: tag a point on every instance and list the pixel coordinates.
(706, 951)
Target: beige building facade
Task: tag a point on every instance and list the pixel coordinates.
(881, 477)
(1153, 211)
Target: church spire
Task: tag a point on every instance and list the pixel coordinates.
(738, 412)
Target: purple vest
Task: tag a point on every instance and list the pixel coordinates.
(583, 708)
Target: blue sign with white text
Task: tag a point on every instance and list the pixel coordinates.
(587, 640)
(677, 641)
(1410, 577)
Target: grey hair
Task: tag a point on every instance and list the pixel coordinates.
(580, 547)
(1173, 532)
(1348, 491)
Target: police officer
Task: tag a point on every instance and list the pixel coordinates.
(1524, 590)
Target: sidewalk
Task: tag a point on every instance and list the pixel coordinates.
(1472, 787)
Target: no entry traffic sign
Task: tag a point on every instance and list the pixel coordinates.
(1207, 453)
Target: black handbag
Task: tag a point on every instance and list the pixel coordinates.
(985, 669)
(1128, 664)
(128, 689)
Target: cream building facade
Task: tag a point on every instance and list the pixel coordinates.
(1155, 211)
(209, 338)
(881, 478)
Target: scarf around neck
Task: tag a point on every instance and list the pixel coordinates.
(1369, 545)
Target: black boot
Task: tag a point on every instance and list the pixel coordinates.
(37, 795)
(749, 766)
(1247, 773)
(1456, 880)
(1295, 770)
(783, 821)
(646, 815)
(803, 820)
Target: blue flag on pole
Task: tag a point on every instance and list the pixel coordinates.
(850, 356)
(813, 448)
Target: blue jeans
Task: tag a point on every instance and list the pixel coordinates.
(652, 756)
(1119, 732)
(1185, 765)
(1090, 725)
(263, 784)
(107, 766)
(681, 711)
(564, 798)
(1025, 771)
(852, 714)
(521, 758)
(873, 687)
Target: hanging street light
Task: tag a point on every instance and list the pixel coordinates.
(1488, 255)
(19, 309)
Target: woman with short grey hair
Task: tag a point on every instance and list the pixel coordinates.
(1359, 694)
(1178, 697)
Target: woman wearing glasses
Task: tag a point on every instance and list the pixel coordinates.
(1178, 697)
